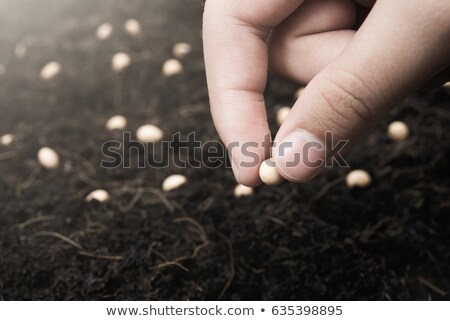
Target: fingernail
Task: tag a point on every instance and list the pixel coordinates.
(300, 156)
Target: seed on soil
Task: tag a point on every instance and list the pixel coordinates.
(398, 131)
(173, 182)
(104, 31)
(149, 134)
(269, 173)
(298, 92)
(120, 61)
(48, 158)
(242, 190)
(358, 178)
(20, 50)
(181, 49)
(100, 195)
(133, 27)
(116, 123)
(282, 114)
(6, 139)
(172, 67)
(50, 70)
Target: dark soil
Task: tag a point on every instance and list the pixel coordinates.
(311, 241)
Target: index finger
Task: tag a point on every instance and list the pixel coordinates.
(236, 59)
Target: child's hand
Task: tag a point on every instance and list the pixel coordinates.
(354, 77)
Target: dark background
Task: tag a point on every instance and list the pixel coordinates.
(317, 240)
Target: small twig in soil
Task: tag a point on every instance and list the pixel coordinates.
(431, 286)
(232, 268)
(60, 236)
(327, 187)
(34, 220)
(79, 159)
(29, 180)
(7, 155)
(203, 236)
(162, 199)
(81, 250)
(101, 257)
(133, 201)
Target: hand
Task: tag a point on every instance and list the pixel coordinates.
(354, 77)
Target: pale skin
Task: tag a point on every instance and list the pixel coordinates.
(358, 58)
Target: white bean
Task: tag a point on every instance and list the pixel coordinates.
(181, 49)
(242, 190)
(120, 61)
(172, 67)
(269, 173)
(100, 195)
(117, 122)
(48, 158)
(282, 114)
(358, 178)
(7, 139)
(133, 27)
(398, 131)
(173, 181)
(149, 134)
(50, 70)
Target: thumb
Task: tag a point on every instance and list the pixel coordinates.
(389, 57)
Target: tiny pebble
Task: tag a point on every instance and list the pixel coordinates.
(48, 158)
(172, 67)
(282, 114)
(104, 31)
(269, 173)
(358, 178)
(6, 139)
(120, 61)
(133, 27)
(116, 123)
(149, 134)
(100, 195)
(398, 131)
(173, 181)
(181, 49)
(50, 70)
(298, 92)
(242, 190)
(20, 50)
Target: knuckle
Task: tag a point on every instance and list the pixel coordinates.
(348, 99)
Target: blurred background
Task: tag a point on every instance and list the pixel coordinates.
(312, 241)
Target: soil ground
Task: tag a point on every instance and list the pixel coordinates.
(311, 241)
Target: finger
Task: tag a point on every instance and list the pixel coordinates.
(303, 58)
(389, 57)
(313, 36)
(235, 34)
